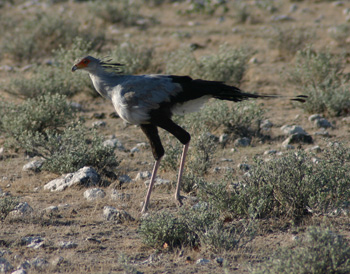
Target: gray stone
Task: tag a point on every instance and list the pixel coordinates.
(223, 138)
(142, 175)
(124, 179)
(290, 130)
(5, 266)
(98, 124)
(322, 122)
(22, 209)
(112, 214)
(67, 245)
(51, 209)
(34, 165)
(115, 195)
(19, 271)
(86, 176)
(94, 194)
(202, 261)
(266, 124)
(40, 263)
(158, 182)
(114, 143)
(242, 142)
(297, 139)
(282, 18)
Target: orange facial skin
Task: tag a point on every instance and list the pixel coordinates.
(82, 64)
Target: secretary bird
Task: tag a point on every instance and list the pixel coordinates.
(150, 101)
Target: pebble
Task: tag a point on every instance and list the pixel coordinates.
(242, 142)
(202, 261)
(112, 214)
(94, 194)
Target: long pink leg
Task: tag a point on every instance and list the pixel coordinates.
(182, 164)
(153, 177)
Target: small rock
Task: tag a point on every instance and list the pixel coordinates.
(244, 167)
(266, 124)
(57, 261)
(270, 152)
(76, 106)
(223, 138)
(143, 175)
(98, 115)
(134, 150)
(114, 143)
(242, 142)
(315, 117)
(40, 263)
(222, 169)
(5, 266)
(315, 149)
(338, 3)
(22, 209)
(253, 60)
(282, 18)
(290, 130)
(219, 260)
(202, 261)
(112, 214)
(298, 138)
(19, 271)
(115, 195)
(67, 245)
(124, 179)
(345, 120)
(293, 8)
(33, 165)
(94, 194)
(322, 122)
(158, 182)
(86, 176)
(322, 133)
(51, 209)
(98, 124)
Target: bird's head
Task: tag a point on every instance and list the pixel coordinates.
(92, 64)
(88, 63)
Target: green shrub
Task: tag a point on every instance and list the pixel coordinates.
(320, 250)
(289, 41)
(237, 119)
(70, 150)
(340, 34)
(136, 59)
(56, 78)
(7, 204)
(321, 76)
(199, 225)
(206, 7)
(125, 12)
(37, 36)
(47, 112)
(287, 187)
(228, 65)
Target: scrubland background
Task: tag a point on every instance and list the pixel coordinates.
(253, 203)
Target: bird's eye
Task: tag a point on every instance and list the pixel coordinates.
(85, 61)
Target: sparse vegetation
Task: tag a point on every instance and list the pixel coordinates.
(197, 226)
(289, 41)
(37, 36)
(228, 65)
(244, 208)
(7, 204)
(321, 76)
(320, 250)
(54, 78)
(288, 187)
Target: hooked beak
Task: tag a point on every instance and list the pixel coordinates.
(74, 68)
